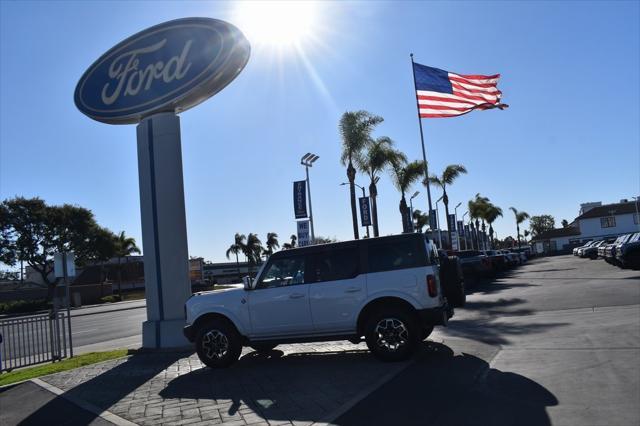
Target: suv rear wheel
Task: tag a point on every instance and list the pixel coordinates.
(218, 344)
(391, 335)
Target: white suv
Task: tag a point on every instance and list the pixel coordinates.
(385, 289)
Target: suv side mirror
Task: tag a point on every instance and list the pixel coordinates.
(247, 283)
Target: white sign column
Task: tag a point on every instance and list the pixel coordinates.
(164, 230)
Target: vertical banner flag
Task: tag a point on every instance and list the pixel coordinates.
(303, 233)
(454, 241)
(433, 224)
(461, 228)
(466, 230)
(365, 211)
(446, 94)
(451, 224)
(300, 199)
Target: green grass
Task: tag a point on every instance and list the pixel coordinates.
(64, 365)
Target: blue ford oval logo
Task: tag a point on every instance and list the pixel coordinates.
(169, 67)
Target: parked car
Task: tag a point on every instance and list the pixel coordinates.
(592, 251)
(498, 260)
(512, 258)
(628, 254)
(587, 244)
(386, 290)
(475, 264)
(610, 251)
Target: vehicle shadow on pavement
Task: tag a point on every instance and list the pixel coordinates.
(102, 385)
(443, 388)
(495, 286)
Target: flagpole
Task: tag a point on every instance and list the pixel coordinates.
(424, 153)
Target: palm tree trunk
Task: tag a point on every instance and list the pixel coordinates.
(491, 236)
(373, 193)
(445, 200)
(518, 234)
(404, 212)
(351, 175)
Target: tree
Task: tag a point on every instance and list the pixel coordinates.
(420, 220)
(272, 243)
(236, 248)
(491, 213)
(355, 130)
(253, 250)
(565, 223)
(404, 175)
(292, 244)
(379, 156)
(325, 240)
(33, 231)
(124, 246)
(540, 224)
(449, 175)
(477, 208)
(520, 217)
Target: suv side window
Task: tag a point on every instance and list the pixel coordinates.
(282, 272)
(399, 254)
(340, 264)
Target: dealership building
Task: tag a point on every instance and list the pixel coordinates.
(594, 222)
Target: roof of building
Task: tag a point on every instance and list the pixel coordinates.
(569, 231)
(608, 210)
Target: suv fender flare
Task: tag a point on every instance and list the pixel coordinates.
(220, 313)
(387, 297)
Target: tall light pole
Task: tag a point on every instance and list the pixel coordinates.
(455, 225)
(637, 215)
(411, 204)
(363, 195)
(307, 161)
(466, 242)
(438, 222)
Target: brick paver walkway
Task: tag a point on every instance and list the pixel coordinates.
(295, 384)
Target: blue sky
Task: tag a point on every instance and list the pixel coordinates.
(570, 72)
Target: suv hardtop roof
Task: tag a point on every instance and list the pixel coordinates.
(350, 243)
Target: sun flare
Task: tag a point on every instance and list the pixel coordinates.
(277, 23)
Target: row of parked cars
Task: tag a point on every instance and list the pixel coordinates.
(478, 264)
(623, 252)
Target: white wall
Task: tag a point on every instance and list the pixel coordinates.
(590, 228)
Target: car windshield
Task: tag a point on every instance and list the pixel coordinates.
(635, 237)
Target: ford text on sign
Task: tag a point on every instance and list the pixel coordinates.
(300, 199)
(167, 68)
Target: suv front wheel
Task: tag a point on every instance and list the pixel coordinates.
(218, 344)
(391, 335)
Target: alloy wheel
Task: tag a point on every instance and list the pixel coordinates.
(391, 334)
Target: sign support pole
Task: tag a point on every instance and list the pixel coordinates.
(424, 153)
(313, 235)
(164, 230)
(66, 286)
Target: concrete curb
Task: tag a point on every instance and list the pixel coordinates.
(104, 414)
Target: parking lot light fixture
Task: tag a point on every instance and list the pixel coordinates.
(438, 223)
(307, 161)
(363, 195)
(415, 194)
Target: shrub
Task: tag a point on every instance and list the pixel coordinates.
(110, 299)
(23, 306)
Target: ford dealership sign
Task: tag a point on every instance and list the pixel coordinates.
(170, 67)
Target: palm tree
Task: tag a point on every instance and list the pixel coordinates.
(520, 217)
(477, 208)
(292, 244)
(420, 220)
(253, 250)
(404, 175)
(272, 243)
(236, 248)
(379, 155)
(355, 130)
(491, 214)
(125, 246)
(449, 175)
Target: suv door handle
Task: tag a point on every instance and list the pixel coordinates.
(352, 290)
(296, 295)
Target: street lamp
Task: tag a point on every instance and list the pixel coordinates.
(363, 195)
(307, 161)
(411, 204)
(637, 215)
(438, 223)
(455, 225)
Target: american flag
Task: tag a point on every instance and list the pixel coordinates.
(446, 94)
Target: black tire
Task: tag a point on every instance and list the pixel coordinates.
(404, 334)
(426, 332)
(263, 347)
(218, 343)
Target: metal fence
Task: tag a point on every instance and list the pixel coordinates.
(33, 339)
